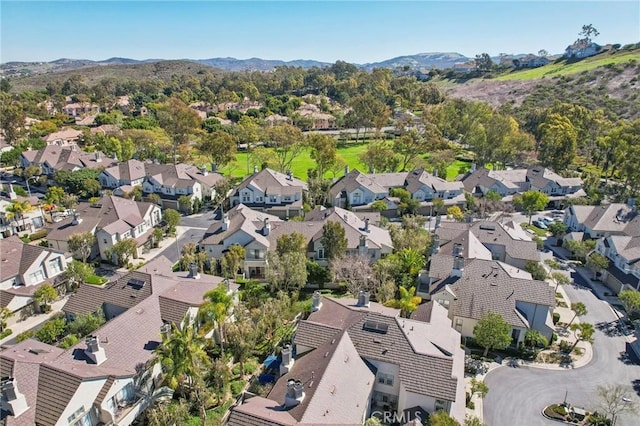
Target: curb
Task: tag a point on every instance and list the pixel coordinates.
(554, 419)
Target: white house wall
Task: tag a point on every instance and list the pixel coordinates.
(537, 316)
(409, 399)
(390, 369)
(85, 395)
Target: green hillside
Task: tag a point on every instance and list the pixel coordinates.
(562, 67)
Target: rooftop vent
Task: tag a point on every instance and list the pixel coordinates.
(488, 227)
(94, 351)
(12, 400)
(363, 298)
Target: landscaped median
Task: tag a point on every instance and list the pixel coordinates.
(567, 413)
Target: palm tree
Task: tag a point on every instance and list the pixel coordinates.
(18, 210)
(182, 357)
(407, 303)
(215, 310)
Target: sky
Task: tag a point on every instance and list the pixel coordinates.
(353, 31)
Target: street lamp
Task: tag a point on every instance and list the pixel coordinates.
(27, 181)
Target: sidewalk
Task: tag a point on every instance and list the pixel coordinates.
(34, 320)
(477, 411)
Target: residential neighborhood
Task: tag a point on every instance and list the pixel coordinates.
(437, 239)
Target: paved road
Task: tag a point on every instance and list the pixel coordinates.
(518, 395)
(190, 230)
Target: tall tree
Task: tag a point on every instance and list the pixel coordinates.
(215, 310)
(242, 336)
(558, 142)
(287, 272)
(583, 332)
(179, 121)
(81, 245)
(355, 272)
(492, 332)
(12, 118)
(579, 310)
(323, 151)
(77, 272)
(182, 358)
(219, 146)
(597, 262)
(334, 240)
(18, 210)
(287, 142)
(124, 250)
(380, 157)
(172, 218)
(409, 147)
(630, 299)
(294, 242)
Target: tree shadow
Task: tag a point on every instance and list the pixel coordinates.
(636, 386)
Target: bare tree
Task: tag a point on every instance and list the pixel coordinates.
(355, 272)
(616, 400)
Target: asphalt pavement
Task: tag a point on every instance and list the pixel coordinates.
(518, 394)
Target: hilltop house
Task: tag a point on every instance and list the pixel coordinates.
(111, 219)
(78, 109)
(273, 192)
(24, 268)
(353, 358)
(110, 376)
(581, 49)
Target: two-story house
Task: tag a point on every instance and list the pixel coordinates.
(24, 268)
(64, 137)
(109, 377)
(469, 283)
(19, 223)
(78, 109)
(354, 358)
(111, 219)
(514, 181)
(170, 182)
(272, 192)
(582, 48)
(52, 158)
(130, 172)
(623, 252)
(602, 221)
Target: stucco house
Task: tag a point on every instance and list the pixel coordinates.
(109, 377)
(354, 358)
(52, 158)
(470, 284)
(77, 109)
(623, 252)
(270, 191)
(64, 137)
(24, 268)
(111, 219)
(20, 224)
(604, 220)
(581, 49)
(514, 181)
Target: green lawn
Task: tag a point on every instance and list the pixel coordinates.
(350, 154)
(562, 68)
(95, 280)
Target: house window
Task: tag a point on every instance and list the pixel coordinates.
(287, 198)
(245, 198)
(273, 198)
(459, 324)
(440, 404)
(357, 198)
(258, 199)
(54, 266)
(385, 379)
(36, 277)
(76, 415)
(321, 253)
(104, 240)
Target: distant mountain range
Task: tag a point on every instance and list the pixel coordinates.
(414, 62)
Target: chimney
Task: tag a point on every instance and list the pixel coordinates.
(11, 193)
(435, 244)
(165, 331)
(94, 351)
(114, 156)
(193, 271)
(97, 157)
(255, 169)
(458, 266)
(295, 393)
(366, 225)
(12, 400)
(289, 175)
(204, 170)
(363, 298)
(287, 360)
(77, 220)
(266, 227)
(225, 221)
(227, 284)
(346, 170)
(316, 301)
(457, 249)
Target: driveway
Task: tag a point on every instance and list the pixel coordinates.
(518, 395)
(190, 230)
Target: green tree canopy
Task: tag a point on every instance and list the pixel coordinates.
(531, 202)
(334, 240)
(492, 332)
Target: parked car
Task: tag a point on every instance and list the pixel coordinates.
(540, 224)
(546, 220)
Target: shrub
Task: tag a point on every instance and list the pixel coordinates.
(38, 235)
(5, 333)
(556, 318)
(69, 341)
(554, 338)
(236, 370)
(236, 387)
(565, 346)
(24, 336)
(95, 280)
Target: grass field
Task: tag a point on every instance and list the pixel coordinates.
(349, 154)
(563, 68)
